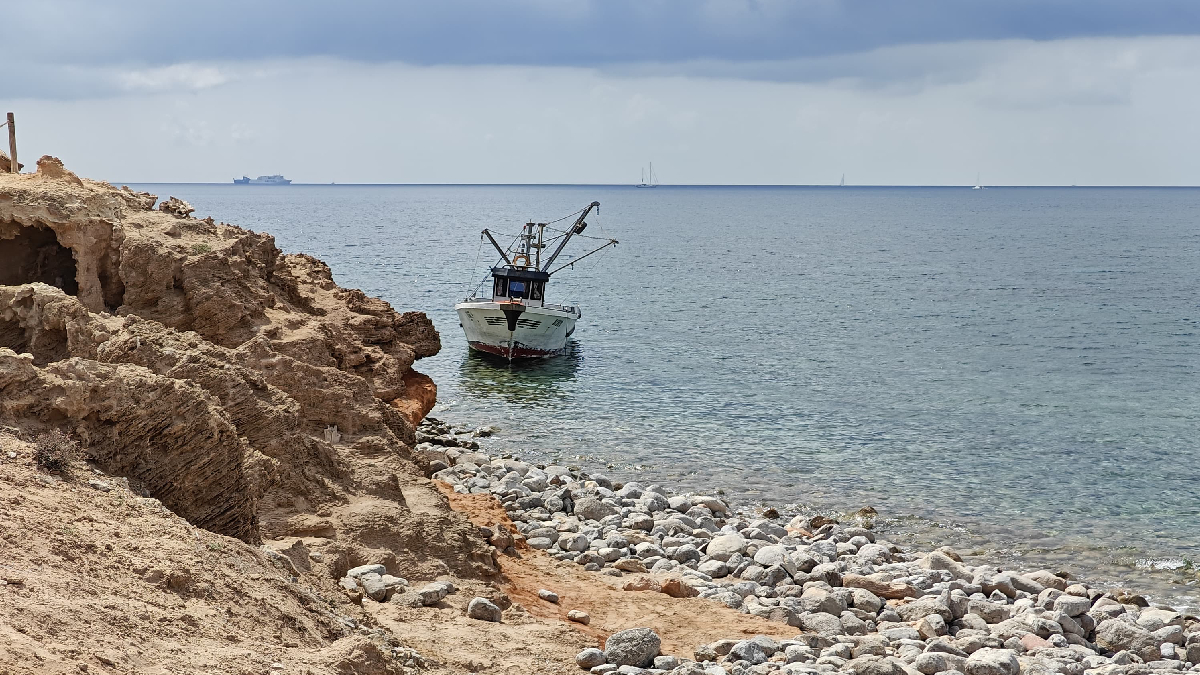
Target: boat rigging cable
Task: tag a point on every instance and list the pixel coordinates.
(562, 233)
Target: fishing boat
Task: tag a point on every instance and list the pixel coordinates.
(515, 321)
(652, 183)
(274, 179)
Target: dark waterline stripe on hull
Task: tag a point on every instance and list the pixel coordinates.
(517, 352)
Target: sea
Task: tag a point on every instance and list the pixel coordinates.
(1013, 371)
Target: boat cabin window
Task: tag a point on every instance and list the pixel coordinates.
(536, 290)
(500, 287)
(516, 289)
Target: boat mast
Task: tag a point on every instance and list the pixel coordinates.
(575, 229)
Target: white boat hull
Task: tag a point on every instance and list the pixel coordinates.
(539, 331)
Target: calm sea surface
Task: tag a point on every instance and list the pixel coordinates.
(1015, 371)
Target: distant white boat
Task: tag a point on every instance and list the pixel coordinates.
(978, 185)
(843, 183)
(652, 183)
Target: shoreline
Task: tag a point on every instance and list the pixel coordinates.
(813, 574)
(1165, 575)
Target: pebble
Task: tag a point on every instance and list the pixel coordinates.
(548, 596)
(579, 616)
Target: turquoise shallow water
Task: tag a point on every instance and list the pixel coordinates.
(1013, 370)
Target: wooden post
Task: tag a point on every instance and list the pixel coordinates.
(12, 144)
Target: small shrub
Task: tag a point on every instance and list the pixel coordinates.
(197, 249)
(56, 451)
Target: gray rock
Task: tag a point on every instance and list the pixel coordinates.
(570, 541)
(590, 508)
(686, 554)
(579, 616)
(1116, 635)
(937, 662)
(713, 568)
(541, 543)
(825, 624)
(374, 588)
(988, 661)
(1072, 605)
(769, 645)
(775, 555)
(723, 546)
(874, 665)
(589, 658)
(632, 647)
(666, 662)
(865, 600)
(775, 575)
(483, 610)
(750, 651)
(548, 596)
(433, 593)
(897, 633)
(931, 626)
(356, 572)
(817, 599)
(924, 606)
(97, 484)
(1153, 619)
(940, 561)
(990, 612)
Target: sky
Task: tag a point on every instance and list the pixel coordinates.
(921, 92)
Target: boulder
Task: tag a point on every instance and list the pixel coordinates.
(821, 622)
(938, 662)
(1116, 635)
(723, 546)
(590, 508)
(632, 647)
(483, 610)
(924, 606)
(748, 650)
(940, 561)
(590, 658)
(989, 661)
(883, 589)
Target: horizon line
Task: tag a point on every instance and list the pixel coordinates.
(631, 185)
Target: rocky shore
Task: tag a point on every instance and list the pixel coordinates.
(215, 459)
(860, 604)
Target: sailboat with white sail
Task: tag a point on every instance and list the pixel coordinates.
(978, 185)
(843, 183)
(653, 181)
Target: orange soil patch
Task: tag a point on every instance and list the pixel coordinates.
(682, 623)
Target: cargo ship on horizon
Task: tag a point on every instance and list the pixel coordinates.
(275, 179)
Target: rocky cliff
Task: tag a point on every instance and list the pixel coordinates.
(239, 385)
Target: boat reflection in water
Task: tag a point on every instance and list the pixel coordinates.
(524, 381)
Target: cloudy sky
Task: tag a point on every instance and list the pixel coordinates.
(924, 92)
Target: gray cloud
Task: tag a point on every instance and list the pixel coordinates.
(555, 32)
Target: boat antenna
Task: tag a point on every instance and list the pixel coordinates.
(492, 239)
(577, 228)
